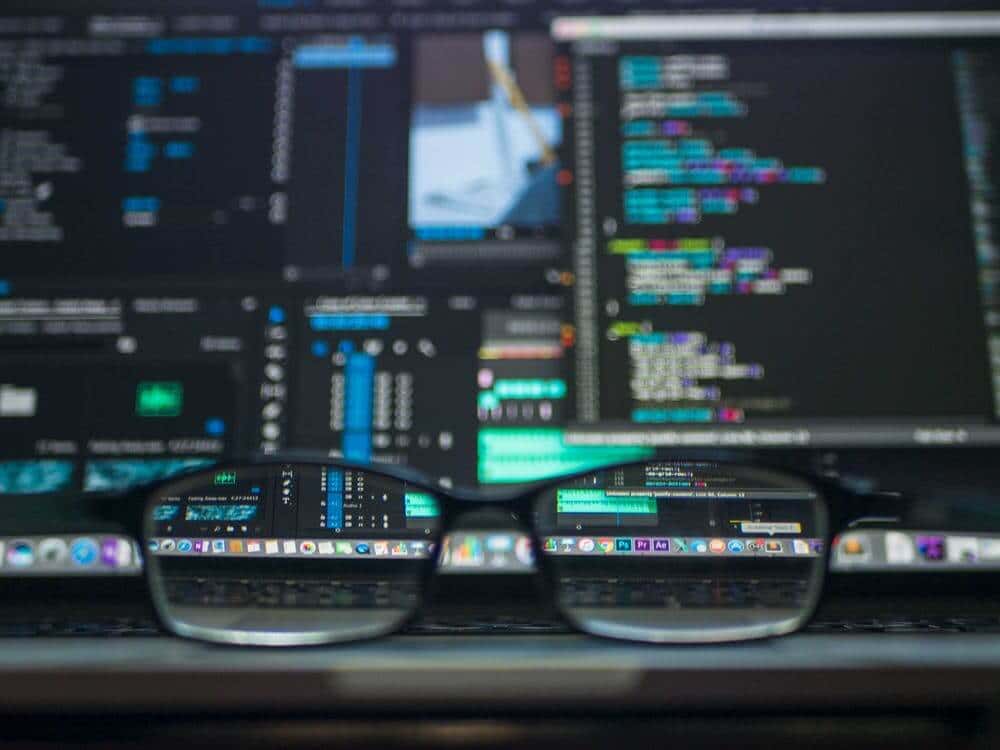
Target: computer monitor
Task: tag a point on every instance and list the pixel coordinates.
(492, 243)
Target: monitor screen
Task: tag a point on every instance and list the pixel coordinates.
(492, 243)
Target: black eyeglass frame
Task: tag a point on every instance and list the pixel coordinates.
(126, 511)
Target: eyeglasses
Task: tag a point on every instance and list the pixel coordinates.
(282, 554)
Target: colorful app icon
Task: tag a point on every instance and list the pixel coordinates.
(362, 548)
(467, 551)
(853, 546)
(699, 545)
(167, 545)
(735, 546)
(271, 547)
(381, 549)
(201, 545)
(679, 544)
(623, 544)
(185, 545)
(20, 554)
(717, 546)
(399, 549)
(288, 546)
(53, 551)
(606, 545)
(253, 546)
(643, 545)
(522, 551)
(800, 546)
(307, 548)
(550, 544)
(774, 547)
(899, 549)
(218, 546)
(989, 549)
(661, 545)
(500, 543)
(963, 549)
(326, 548)
(115, 553)
(931, 547)
(153, 545)
(567, 544)
(343, 548)
(586, 545)
(235, 546)
(84, 551)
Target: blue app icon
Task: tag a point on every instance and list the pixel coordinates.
(735, 545)
(362, 549)
(84, 551)
(184, 545)
(698, 545)
(153, 545)
(21, 554)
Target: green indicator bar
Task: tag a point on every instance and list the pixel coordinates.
(625, 328)
(420, 505)
(159, 399)
(622, 247)
(224, 479)
(524, 454)
(596, 501)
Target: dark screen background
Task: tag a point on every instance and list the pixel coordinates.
(891, 325)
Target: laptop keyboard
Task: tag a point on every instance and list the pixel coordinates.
(119, 627)
(578, 592)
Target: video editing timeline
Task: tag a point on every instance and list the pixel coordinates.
(733, 221)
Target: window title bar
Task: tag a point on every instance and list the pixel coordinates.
(774, 26)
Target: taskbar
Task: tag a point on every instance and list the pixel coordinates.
(465, 548)
(676, 546)
(279, 548)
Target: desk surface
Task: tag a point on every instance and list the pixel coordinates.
(469, 673)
